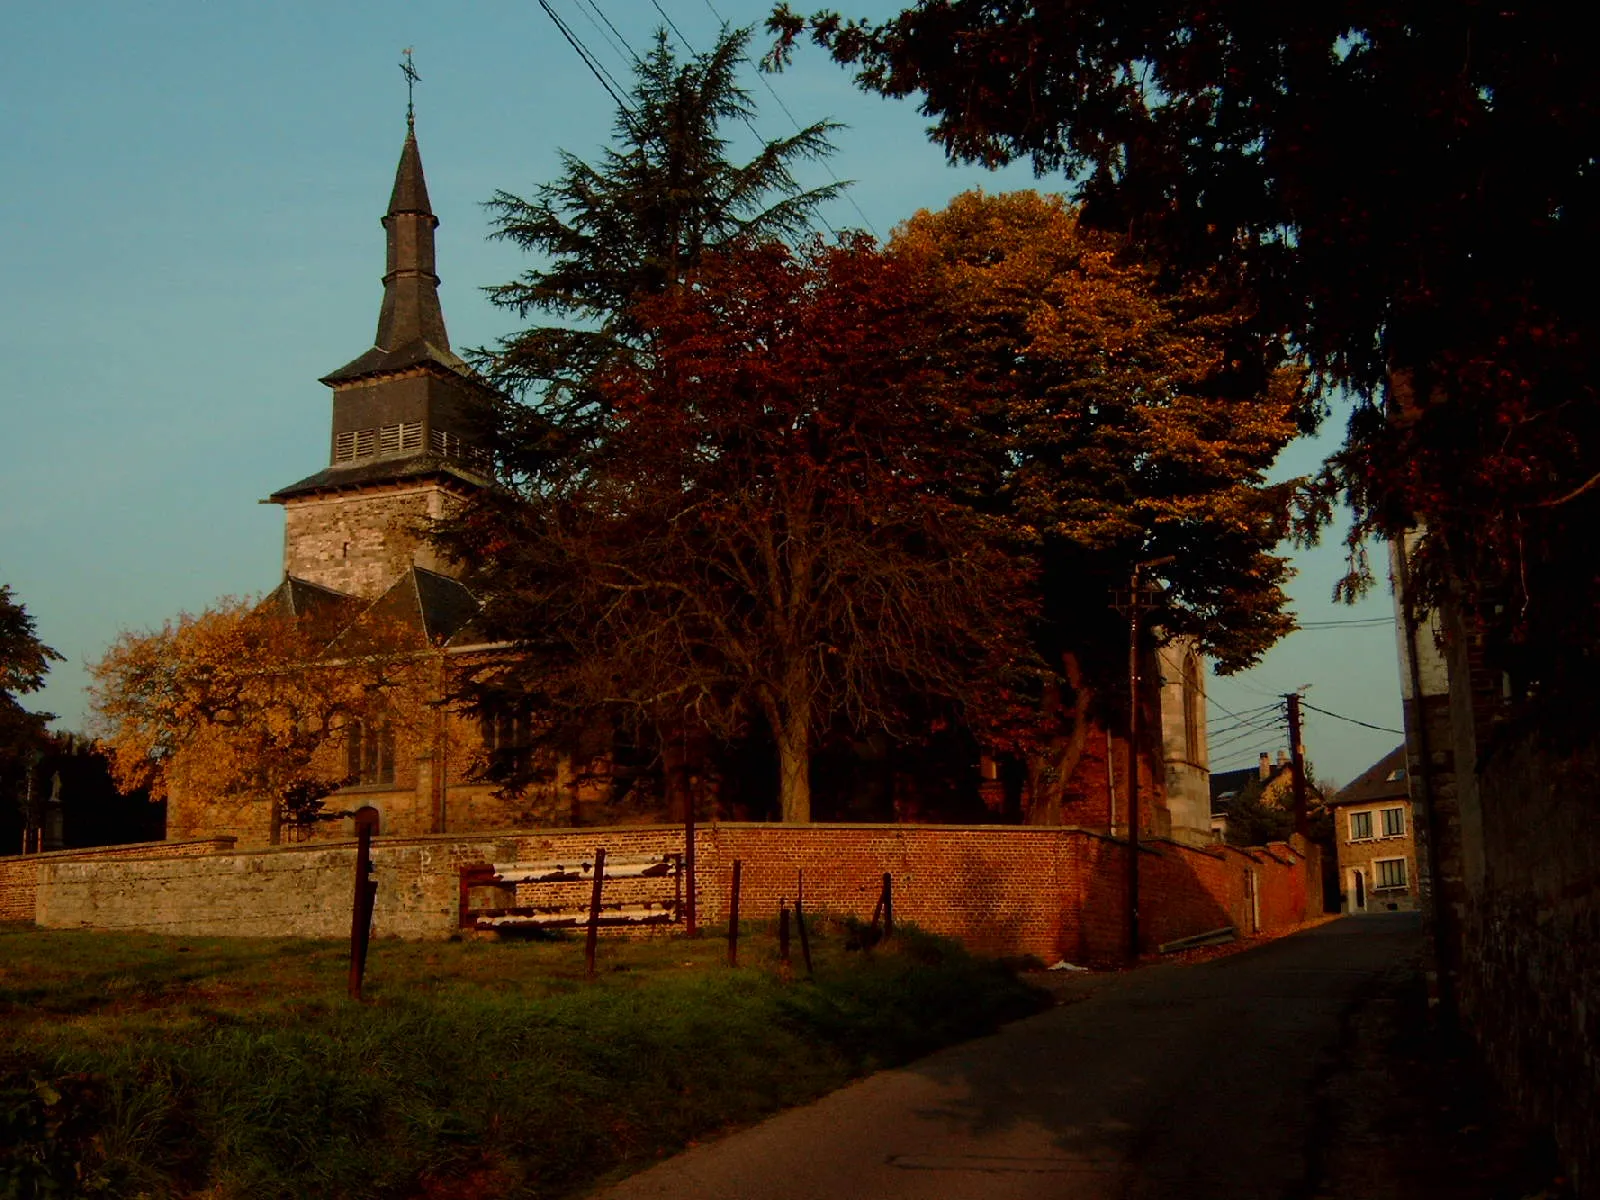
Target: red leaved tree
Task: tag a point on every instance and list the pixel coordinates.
(775, 529)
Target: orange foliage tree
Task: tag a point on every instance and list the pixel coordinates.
(1114, 431)
(243, 703)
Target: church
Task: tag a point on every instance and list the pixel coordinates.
(406, 452)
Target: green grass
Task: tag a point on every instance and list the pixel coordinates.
(170, 1067)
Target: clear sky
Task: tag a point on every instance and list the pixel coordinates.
(190, 195)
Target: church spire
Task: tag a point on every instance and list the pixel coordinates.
(410, 311)
(411, 322)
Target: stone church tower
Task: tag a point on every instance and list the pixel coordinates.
(406, 448)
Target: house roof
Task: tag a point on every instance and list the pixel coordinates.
(1383, 780)
(1227, 784)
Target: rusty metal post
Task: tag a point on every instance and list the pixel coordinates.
(691, 921)
(783, 936)
(733, 916)
(361, 906)
(594, 913)
(888, 905)
(800, 924)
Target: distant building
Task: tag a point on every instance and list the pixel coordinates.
(1274, 779)
(1375, 840)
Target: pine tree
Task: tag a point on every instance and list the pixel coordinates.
(628, 227)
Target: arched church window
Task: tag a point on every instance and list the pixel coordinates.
(370, 747)
(1193, 711)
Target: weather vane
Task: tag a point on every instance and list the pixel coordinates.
(412, 79)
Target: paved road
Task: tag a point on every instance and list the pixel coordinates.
(1173, 1081)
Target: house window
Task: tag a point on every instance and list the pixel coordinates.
(371, 754)
(1360, 827)
(1394, 822)
(1391, 872)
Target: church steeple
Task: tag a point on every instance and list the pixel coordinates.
(411, 311)
(411, 326)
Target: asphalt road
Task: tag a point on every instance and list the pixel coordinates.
(1173, 1081)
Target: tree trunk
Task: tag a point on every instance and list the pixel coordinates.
(794, 765)
(1051, 770)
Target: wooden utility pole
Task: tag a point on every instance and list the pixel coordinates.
(1297, 766)
(1138, 601)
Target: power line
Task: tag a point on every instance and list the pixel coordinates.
(1247, 713)
(618, 42)
(1352, 720)
(1356, 622)
(583, 52)
(793, 120)
(1253, 719)
(672, 25)
(1237, 739)
(1258, 726)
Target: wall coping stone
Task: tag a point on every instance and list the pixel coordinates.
(222, 843)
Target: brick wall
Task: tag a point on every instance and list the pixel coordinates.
(1052, 892)
(19, 874)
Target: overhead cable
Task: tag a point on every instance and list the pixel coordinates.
(1352, 720)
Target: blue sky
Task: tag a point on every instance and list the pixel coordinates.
(190, 201)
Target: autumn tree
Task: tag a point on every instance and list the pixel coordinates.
(773, 531)
(244, 703)
(629, 226)
(1113, 430)
(1406, 190)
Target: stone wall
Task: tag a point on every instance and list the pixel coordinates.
(1051, 892)
(361, 542)
(1530, 961)
(20, 874)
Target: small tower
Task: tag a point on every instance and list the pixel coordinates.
(405, 449)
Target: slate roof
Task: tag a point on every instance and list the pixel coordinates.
(411, 329)
(296, 597)
(431, 607)
(1227, 784)
(379, 361)
(1375, 783)
(373, 471)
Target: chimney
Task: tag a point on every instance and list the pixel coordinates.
(1266, 765)
(1283, 758)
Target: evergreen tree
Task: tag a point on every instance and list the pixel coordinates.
(24, 662)
(630, 226)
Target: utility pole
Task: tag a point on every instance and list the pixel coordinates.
(1297, 766)
(1139, 599)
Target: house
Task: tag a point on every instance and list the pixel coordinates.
(1274, 780)
(1374, 839)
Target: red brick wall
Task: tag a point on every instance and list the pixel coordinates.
(1054, 893)
(1051, 892)
(19, 874)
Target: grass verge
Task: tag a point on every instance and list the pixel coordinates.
(143, 1065)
